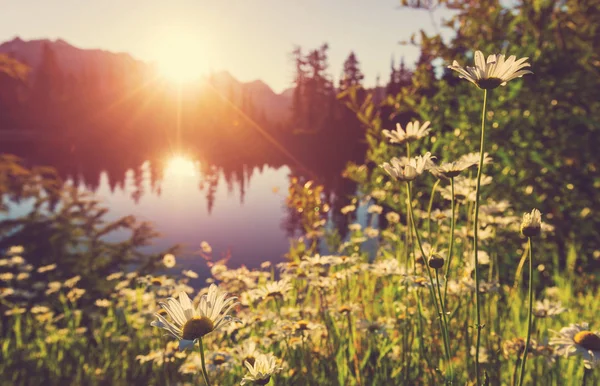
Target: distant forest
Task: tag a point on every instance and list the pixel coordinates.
(88, 121)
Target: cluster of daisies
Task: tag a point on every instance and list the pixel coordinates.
(190, 324)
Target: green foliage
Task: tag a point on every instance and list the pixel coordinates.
(543, 128)
(68, 227)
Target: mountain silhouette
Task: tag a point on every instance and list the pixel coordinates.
(104, 65)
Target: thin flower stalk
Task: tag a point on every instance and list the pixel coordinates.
(443, 326)
(450, 248)
(435, 185)
(478, 324)
(204, 372)
(530, 314)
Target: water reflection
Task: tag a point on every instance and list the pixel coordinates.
(233, 200)
(233, 226)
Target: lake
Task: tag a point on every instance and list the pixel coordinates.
(238, 206)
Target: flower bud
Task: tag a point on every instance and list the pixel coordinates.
(532, 223)
(436, 262)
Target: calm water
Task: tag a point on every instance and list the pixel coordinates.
(234, 200)
(243, 220)
(237, 225)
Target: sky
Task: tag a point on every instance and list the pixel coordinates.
(252, 39)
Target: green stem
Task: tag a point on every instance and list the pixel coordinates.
(452, 219)
(586, 374)
(526, 349)
(441, 320)
(445, 318)
(204, 372)
(513, 381)
(429, 209)
(478, 325)
(408, 231)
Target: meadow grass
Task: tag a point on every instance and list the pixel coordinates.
(433, 303)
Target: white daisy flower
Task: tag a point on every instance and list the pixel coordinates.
(414, 131)
(274, 289)
(169, 260)
(577, 339)
(546, 308)
(261, 370)
(493, 72)
(451, 169)
(190, 323)
(408, 169)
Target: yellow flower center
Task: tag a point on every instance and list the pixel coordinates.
(344, 309)
(197, 327)
(263, 381)
(219, 359)
(250, 359)
(588, 340)
(302, 325)
(489, 83)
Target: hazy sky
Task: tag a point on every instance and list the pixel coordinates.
(252, 39)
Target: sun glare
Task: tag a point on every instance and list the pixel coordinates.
(180, 165)
(182, 59)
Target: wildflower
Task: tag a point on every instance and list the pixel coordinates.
(315, 261)
(17, 260)
(219, 361)
(377, 327)
(436, 261)
(532, 223)
(371, 232)
(348, 308)
(15, 311)
(261, 370)
(354, 227)
(70, 283)
(75, 293)
(206, 248)
(577, 339)
(53, 286)
(247, 351)
(375, 209)
(102, 303)
(6, 292)
(494, 72)
(378, 194)
(440, 215)
(275, 289)
(451, 169)
(114, 276)
(305, 325)
(265, 264)
(16, 250)
(474, 158)
(7, 276)
(347, 209)
(408, 169)
(189, 273)
(392, 217)
(546, 308)
(414, 131)
(46, 268)
(189, 323)
(386, 267)
(169, 260)
(39, 309)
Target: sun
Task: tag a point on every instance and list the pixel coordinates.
(182, 58)
(180, 165)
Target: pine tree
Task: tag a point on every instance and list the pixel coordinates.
(351, 76)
